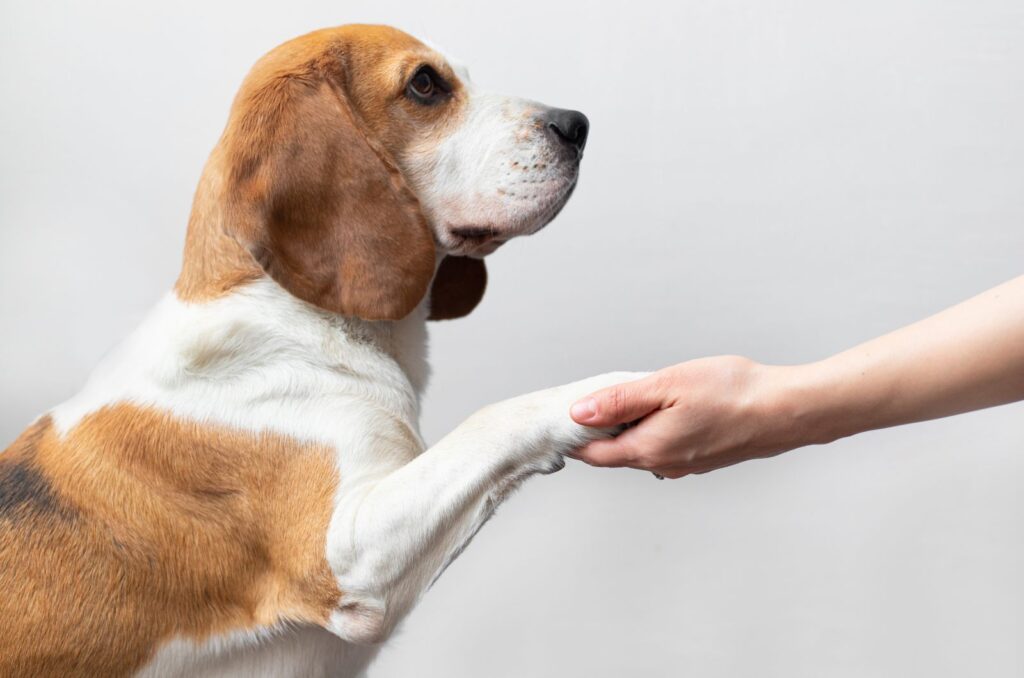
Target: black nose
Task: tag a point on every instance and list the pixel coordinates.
(568, 127)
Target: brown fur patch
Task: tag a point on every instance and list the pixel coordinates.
(458, 287)
(138, 527)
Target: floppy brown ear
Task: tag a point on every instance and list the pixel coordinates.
(458, 287)
(318, 203)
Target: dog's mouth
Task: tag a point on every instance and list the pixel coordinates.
(474, 233)
(476, 241)
(479, 240)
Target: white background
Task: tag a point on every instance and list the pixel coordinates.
(780, 179)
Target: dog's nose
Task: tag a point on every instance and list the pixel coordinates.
(568, 127)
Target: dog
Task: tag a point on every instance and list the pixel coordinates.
(241, 488)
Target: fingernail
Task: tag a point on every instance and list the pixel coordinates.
(584, 409)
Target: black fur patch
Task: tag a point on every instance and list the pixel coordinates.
(23, 488)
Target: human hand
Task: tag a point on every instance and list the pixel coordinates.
(695, 417)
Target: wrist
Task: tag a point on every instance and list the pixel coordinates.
(807, 404)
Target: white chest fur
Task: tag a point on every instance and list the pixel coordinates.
(261, 360)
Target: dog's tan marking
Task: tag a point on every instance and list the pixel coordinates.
(138, 527)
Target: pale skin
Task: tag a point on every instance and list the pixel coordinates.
(709, 413)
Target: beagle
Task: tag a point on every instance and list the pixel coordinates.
(241, 489)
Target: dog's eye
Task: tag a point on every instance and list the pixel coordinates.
(426, 86)
(423, 83)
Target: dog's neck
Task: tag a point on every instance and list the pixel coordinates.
(260, 359)
(215, 266)
(229, 328)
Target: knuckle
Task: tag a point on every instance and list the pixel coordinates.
(663, 383)
(690, 457)
(647, 461)
(616, 400)
(591, 458)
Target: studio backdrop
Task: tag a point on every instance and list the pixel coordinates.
(777, 179)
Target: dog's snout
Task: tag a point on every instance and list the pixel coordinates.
(568, 127)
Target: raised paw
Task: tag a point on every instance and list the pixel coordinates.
(567, 432)
(539, 426)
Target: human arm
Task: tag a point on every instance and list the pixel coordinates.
(713, 412)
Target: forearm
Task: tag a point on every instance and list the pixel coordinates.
(968, 357)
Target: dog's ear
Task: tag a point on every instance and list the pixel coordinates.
(458, 287)
(317, 201)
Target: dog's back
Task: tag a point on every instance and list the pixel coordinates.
(61, 612)
(137, 527)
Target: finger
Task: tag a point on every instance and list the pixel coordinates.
(630, 448)
(604, 453)
(619, 404)
(676, 472)
(696, 468)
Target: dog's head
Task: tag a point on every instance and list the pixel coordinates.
(357, 158)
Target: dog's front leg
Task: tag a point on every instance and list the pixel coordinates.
(391, 538)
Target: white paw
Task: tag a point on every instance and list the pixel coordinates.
(540, 424)
(567, 432)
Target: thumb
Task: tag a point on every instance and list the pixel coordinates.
(619, 404)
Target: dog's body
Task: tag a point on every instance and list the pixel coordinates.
(241, 488)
